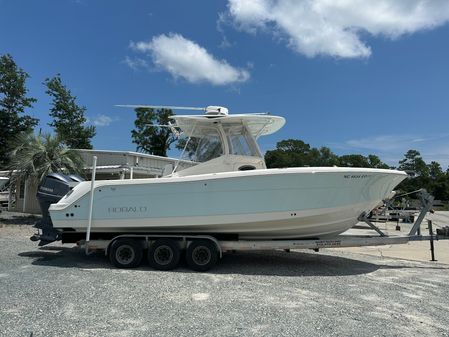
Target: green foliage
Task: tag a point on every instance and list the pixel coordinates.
(435, 170)
(296, 153)
(357, 160)
(326, 157)
(413, 162)
(13, 102)
(418, 171)
(428, 176)
(68, 117)
(34, 156)
(353, 160)
(149, 137)
(375, 162)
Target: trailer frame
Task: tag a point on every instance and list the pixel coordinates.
(340, 241)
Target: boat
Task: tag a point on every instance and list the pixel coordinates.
(229, 192)
(4, 192)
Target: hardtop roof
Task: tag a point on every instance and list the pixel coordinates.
(258, 125)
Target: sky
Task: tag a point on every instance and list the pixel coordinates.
(367, 77)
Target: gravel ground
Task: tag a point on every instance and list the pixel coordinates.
(58, 291)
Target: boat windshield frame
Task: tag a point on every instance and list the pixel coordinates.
(245, 144)
(229, 144)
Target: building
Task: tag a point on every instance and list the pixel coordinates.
(110, 165)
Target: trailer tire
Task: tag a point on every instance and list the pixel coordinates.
(201, 255)
(164, 254)
(125, 253)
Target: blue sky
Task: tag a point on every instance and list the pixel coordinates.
(359, 77)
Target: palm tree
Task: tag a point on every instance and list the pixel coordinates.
(34, 156)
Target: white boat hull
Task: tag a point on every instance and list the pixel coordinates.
(259, 204)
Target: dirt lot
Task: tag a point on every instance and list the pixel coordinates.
(58, 291)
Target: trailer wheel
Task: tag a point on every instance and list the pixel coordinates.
(201, 255)
(125, 253)
(164, 254)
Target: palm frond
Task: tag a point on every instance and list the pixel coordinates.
(34, 156)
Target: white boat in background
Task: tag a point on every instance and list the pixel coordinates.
(4, 192)
(229, 192)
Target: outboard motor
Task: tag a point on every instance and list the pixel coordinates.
(51, 189)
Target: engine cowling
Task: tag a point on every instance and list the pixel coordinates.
(51, 189)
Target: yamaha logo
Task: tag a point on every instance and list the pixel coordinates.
(47, 189)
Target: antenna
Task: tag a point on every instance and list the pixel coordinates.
(211, 110)
(160, 107)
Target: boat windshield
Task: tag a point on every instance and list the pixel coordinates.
(240, 141)
(204, 145)
(3, 182)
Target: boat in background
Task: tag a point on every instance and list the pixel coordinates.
(229, 193)
(4, 192)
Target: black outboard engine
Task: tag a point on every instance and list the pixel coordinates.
(51, 189)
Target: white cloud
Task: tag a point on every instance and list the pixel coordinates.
(136, 63)
(224, 40)
(385, 142)
(184, 58)
(102, 120)
(334, 27)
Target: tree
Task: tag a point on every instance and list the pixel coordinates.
(413, 162)
(288, 153)
(375, 162)
(439, 182)
(435, 170)
(358, 160)
(440, 188)
(13, 102)
(34, 156)
(148, 135)
(326, 157)
(353, 160)
(295, 153)
(418, 171)
(68, 117)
